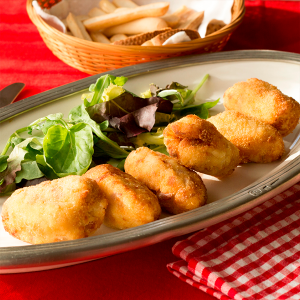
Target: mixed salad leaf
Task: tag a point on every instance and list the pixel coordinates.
(110, 123)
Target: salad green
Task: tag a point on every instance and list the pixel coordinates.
(110, 123)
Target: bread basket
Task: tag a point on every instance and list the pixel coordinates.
(94, 58)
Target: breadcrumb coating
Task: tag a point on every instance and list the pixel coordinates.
(257, 141)
(198, 145)
(263, 101)
(178, 189)
(63, 209)
(130, 203)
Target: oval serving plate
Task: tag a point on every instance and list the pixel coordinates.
(248, 186)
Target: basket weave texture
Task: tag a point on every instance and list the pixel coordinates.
(94, 58)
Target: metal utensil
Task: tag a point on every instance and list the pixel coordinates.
(10, 93)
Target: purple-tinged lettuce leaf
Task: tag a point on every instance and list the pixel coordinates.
(117, 107)
(154, 89)
(125, 104)
(143, 119)
(14, 163)
(127, 125)
(7, 177)
(120, 138)
(163, 106)
(129, 114)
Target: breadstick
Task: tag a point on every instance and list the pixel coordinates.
(124, 3)
(172, 20)
(193, 22)
(77, 28)
(99, 37)
(148, 43)
(82, 17)
(118, 37)
(65, 23)
(94, 12)
(213, 26)
(137, 26)
(119, 9)
(185, 14)
(181, 11)
(150, 10)
(161, 38)
(140, 39)
(107, 6)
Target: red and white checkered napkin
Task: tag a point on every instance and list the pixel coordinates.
(255, 255)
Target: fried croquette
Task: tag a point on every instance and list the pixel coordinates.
(257, 141)
(177, 188)
(197, 144)
(63, 209)
(130, 203)
(263, 101)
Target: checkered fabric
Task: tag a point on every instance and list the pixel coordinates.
(255, 255)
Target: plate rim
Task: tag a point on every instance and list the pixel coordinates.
(60, 92)
(19, 259)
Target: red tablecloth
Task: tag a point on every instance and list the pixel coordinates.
(142, 273)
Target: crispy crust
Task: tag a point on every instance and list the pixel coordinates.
(178, 189)
(198, 145)
(130, 203)
(157, 37)
(257, 141)
(263, 101)
(59, 210)
(161, 38)
(140, 38)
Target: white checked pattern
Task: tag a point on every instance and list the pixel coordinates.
(255, 255)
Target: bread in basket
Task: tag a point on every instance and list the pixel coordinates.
(93, 58)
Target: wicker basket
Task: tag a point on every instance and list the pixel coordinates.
(94, 58)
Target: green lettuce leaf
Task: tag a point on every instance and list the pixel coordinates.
(79, 114)
(101, 85)
(3, 162)
(201, 110)
(69, 150)
(120, 80)
(29, 171)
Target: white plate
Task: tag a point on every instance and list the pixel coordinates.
(248, 186)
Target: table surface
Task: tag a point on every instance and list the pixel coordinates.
(142, 273)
